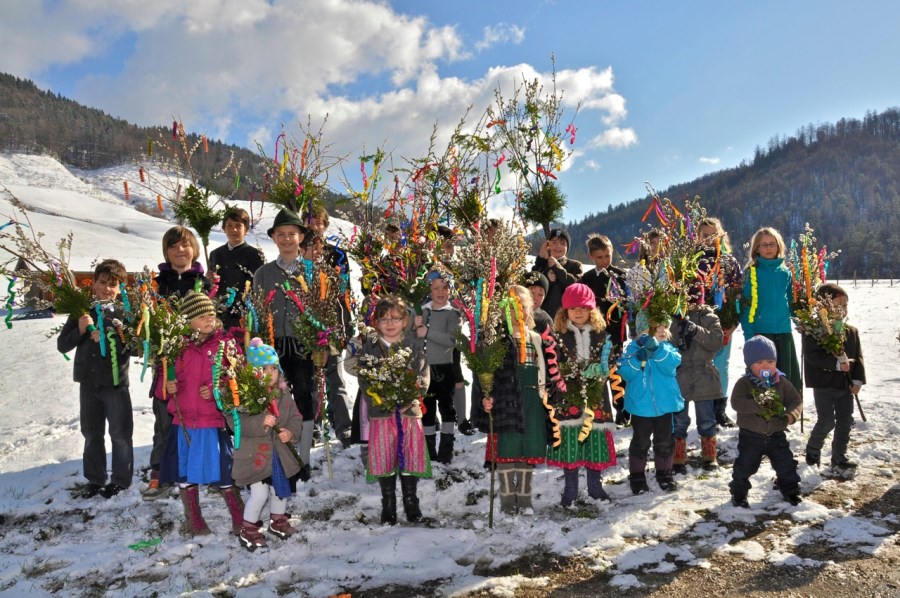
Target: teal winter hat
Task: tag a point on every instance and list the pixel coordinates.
(260, 354)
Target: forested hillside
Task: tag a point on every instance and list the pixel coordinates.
(842, 178)
(37, 121)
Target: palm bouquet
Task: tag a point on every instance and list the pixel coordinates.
(818, 317)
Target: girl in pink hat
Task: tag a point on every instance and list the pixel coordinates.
(583, 426)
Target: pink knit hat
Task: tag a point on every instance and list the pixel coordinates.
(578, 295)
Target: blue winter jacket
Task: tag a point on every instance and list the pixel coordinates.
(773, 309)
(653, 390)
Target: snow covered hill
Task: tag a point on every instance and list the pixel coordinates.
(55, 544)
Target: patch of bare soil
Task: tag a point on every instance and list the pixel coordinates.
(837, 571)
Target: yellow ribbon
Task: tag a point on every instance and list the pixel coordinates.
(375, 398)
(554, 423)
(586, 426)
(754, 295)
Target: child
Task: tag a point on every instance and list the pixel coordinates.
(181, 271)
(538, 285)
(179, 274)
(518, 405)
(440, 325)
(726, 271)
(103, 391)
(601, 280)
(235, 262)
(385, 461)
(198, 449)
(834, 380)
(561, 271)
(766, 299)
(760, 392)
(581, 331)
(263, 460)
(652, 396)
(698, 336)
(288, 233)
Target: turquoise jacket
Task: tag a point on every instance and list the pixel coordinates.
(651, 390)
(773, 309)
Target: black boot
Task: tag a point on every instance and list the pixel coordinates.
(570, 487)
(431, 443)
(408, 484)
(388, 500)
(445, 451)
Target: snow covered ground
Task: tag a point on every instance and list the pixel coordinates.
(53, 543)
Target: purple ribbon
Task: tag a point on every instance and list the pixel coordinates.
(401, 462)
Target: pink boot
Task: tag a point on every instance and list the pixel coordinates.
(280, 527)
(235, 505)
(194, 523)
(250, 536)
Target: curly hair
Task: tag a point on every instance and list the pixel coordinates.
(561, 321)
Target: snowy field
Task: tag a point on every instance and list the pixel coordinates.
(54, 544)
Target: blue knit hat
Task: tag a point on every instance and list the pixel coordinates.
(260, 354)
(759, 348)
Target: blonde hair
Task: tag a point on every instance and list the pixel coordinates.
(766, 231)
(527, 302)
(561, 321)
(720, 231)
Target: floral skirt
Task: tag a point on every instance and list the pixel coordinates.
(597, 452)
(387, 456)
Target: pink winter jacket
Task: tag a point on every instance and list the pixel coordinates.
(193, 369)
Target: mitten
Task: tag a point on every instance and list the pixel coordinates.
(642, 354)
(642, 340)
(596, 370)
(652, 344)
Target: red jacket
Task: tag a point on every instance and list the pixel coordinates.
(193, 369)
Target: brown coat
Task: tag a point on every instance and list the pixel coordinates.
(253, 460)
(748, 417)
(698, 378)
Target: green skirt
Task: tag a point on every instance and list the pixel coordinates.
(530, 446)
(598, 451)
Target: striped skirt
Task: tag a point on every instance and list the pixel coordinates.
(387, 458)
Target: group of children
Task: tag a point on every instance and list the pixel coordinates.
(549, 404)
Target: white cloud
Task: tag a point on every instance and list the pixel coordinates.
(501, 33)
(614, 137)
(705, 160)
(226, 65)
(591, 165)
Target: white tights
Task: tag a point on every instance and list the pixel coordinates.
(260, 494)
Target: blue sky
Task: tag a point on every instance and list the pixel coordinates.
(680, 89)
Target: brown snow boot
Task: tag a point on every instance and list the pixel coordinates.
(194, 524)
(710, 453)
(679, 459)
